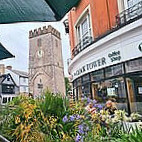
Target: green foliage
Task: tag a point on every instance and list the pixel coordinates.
(50, 119)
(130, 134)
(28, 120)
(67, 85)
(20, 121)
(53, 104)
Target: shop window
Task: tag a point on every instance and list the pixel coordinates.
(86, 90)
(77, 88)
(114, 70)
(79, 92)
(133, 66)
(135, 93)
(79, 82)
(97, 75)
(85, 78)
(116, 89)
(113, 89)
(75, 84)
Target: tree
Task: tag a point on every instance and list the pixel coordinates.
(67, 85)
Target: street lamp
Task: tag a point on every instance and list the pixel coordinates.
(66, 24)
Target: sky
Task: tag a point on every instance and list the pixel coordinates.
(15, 39)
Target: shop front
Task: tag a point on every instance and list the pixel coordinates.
(121, 82)
(111, 69)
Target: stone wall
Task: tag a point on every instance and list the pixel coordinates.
(45, 61)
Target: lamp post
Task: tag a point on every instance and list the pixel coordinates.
(66, 24)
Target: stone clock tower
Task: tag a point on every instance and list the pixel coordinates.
(45, 61)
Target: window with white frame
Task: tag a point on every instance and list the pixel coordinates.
(83, 28)
(24, 79)
(24, 88)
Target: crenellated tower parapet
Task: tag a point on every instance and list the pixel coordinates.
(44, 30)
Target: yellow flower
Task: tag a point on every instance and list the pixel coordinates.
(82, 116)
(17, 120)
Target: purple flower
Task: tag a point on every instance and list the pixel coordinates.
(88, 100)
(81, 129)
(83, 98)
(78, 138)
(87, 128)
(65, 119)
(94, 101)
(72, 118)
(95, 105)
(77, 117)
(100, 106)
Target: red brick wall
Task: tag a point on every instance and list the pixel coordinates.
(103, 14)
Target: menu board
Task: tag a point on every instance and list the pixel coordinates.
(111, 92)
(140, 90)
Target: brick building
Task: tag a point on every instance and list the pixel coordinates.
(106, 47)
(97, 15)
(45, 61)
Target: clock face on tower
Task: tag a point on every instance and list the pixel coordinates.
(40, 53)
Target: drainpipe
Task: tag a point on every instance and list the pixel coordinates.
(108, 13)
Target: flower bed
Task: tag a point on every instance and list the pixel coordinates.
(50, 119)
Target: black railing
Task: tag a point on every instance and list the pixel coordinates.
(82, 45)
(129, 14)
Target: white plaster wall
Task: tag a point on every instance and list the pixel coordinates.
(14, 76)
(22, 82)
(126, 40)
(24, 89)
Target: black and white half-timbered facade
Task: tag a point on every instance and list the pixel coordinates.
(8, 89)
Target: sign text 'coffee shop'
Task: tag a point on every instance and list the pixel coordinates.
(99, 63)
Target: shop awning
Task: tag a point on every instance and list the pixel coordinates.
(12, 11)
(4, 53)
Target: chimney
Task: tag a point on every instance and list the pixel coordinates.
(2, 69)
(9, 67)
